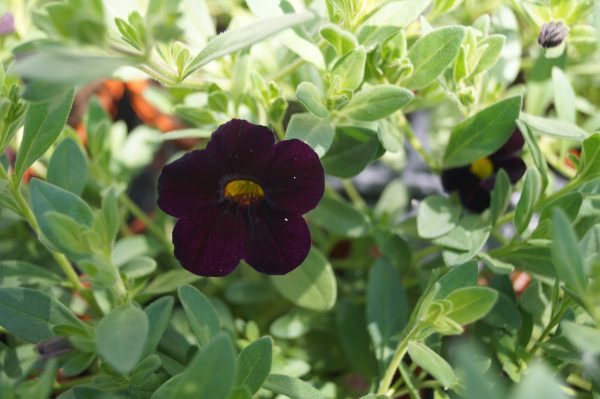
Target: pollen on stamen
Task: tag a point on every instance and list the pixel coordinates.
(244, 192)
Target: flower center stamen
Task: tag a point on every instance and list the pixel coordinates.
(244, 192)
(482, 168)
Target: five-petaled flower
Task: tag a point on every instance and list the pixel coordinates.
(474, 182)
(242, 198)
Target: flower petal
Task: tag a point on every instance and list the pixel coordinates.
(210, 243)
(513, 146)
(277, 242)
(475, 198)
(296, 180)
(514, 167)
(458, 179)
(242, 148)
(189, 185)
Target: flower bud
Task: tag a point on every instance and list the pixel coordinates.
(552, 34)
(7, 24)
(54, 347)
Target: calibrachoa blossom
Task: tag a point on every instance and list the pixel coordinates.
(474, 182)
(242, 198)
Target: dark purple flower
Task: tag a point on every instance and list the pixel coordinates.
(7, 24)
(474, 182)
(552, 34)
(242, 197)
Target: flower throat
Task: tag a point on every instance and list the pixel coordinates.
(244, 192)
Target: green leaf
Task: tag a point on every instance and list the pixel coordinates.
(554, 127)
(341, 40)
(47, 197)
(68, 167)
(201, 315)
(254, 364)
(497, 266)
(237, 39)
(185, 134)
(536, 153)
(43, 123)
(491, 54)
(504, 314)
(471, 303)
(530, 194)
(354, 337)
(169, 282)
(15, 273)
(590, 158)
(348, 73)
(387, 310)
(570, 203)
(292, 387)
(310, 96)
(159, 315)
(121, 336)
(352, 149)
(482, 133)
(397, 13)
(65, 66)
(431, 362)
(436, 216)
(539, 382)
(585, 338)
(311, 285)
(317, 133)
(500, 196)
(460, 276)
(377, 102)
(564, 96)
(566, 257)
(340, 217)
(432, 54)
(240, 393)
(32, 315)
(211, 372)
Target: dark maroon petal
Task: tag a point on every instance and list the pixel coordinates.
(476, 198)
(190, 184)
(513, 146)
(458, 179)
(295, 180)
(242, 148)
(514, 167)
(210, 243)
(277, 242)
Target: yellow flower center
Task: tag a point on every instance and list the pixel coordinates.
(244, 192)
(482, 168)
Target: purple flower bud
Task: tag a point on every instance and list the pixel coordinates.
(7, 24)
(552, 34)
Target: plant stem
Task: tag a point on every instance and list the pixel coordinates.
(413, 392)
(353, 194)
(289, 68)
(417, 145)
(553, 322)
(150, 224)
(401, 349)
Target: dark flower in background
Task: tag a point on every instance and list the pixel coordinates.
(7, 24)
(552, 34)
(54, 347)
(242, 197)
(474, 182)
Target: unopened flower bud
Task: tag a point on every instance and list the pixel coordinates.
(552, 34)
(7, 24)
(54, 347)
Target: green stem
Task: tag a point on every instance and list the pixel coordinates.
(401, 349)
(553, 322)
(417, 145)
(424, 252)
(155, 229)
(424, 384)
(353, 194)
(413, 392)
(289, 68)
